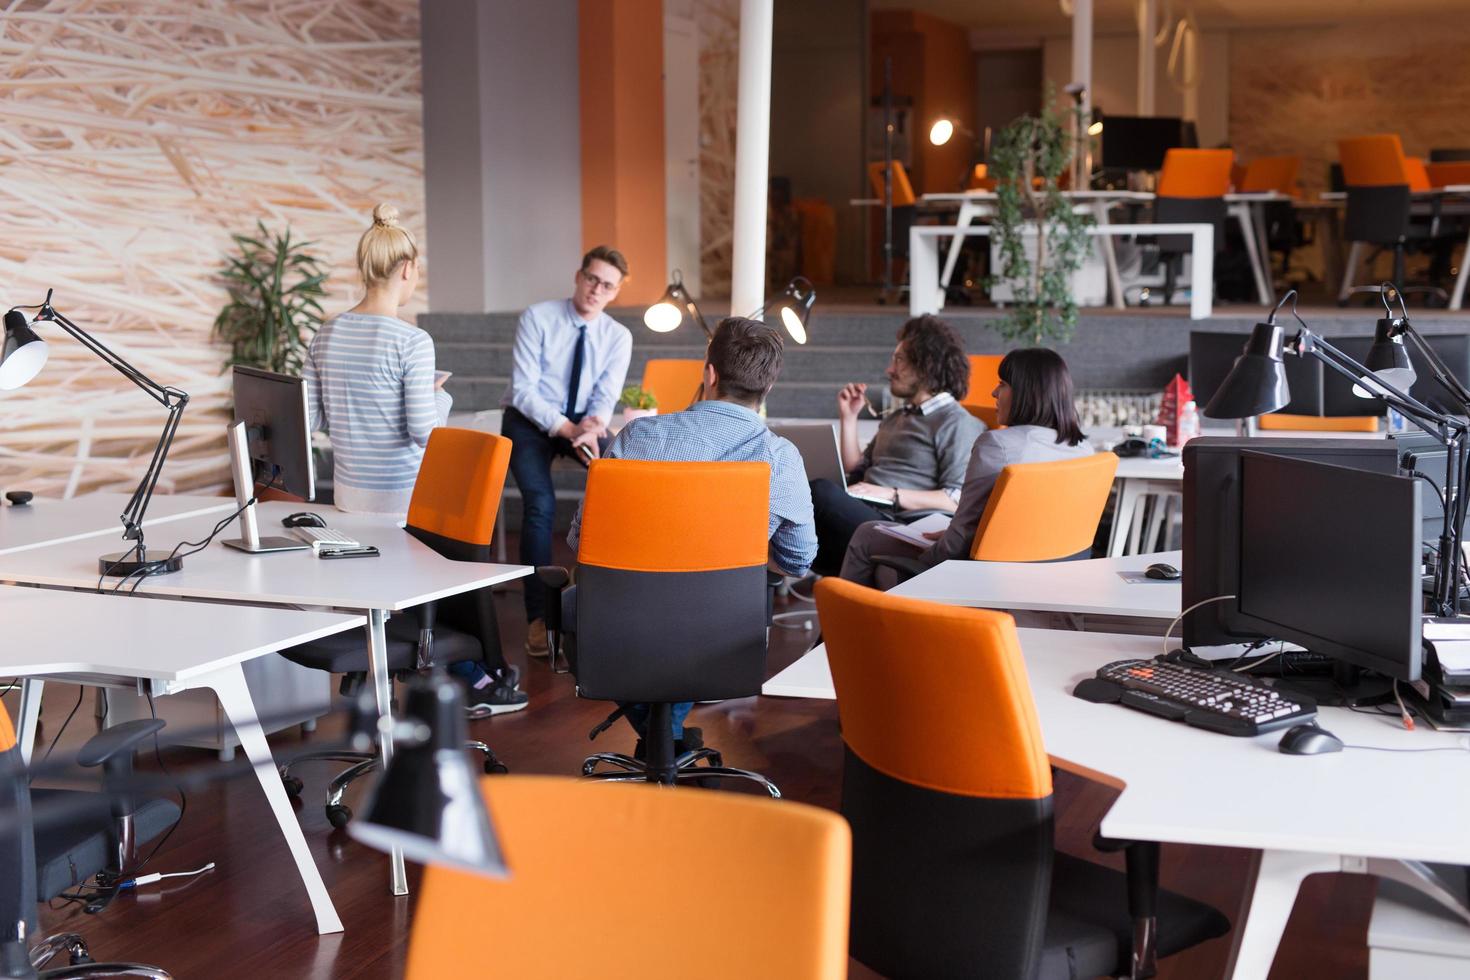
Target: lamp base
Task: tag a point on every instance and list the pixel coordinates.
(155, 561)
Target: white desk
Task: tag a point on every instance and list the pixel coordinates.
(1091, 587)
(409, 573)
(1356, 811)
(164, 648)
(46, 520)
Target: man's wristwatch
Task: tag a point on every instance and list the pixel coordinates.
(895, 498)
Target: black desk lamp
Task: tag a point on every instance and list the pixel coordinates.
(1257, 385)
(23, 357)
(669, 312)
(794, 306)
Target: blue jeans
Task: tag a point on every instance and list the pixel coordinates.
(531, 454)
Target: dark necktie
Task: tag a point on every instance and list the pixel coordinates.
(578, 353)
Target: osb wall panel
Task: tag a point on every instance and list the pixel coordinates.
(1299, 90)
(134, 138)
(719, 74)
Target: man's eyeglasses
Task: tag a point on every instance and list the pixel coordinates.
(596, 284)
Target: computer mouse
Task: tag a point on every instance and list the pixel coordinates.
(18, 498)
(1308, 740)
(1160, 570)
(303, 518)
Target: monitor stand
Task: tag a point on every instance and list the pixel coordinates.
(250, 540)
(1347, 687)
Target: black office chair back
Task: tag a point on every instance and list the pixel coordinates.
(1191, 210)
(1377, 215)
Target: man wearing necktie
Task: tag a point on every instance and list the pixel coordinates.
(568, 367)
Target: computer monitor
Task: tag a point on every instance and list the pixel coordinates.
(1212, 520)
(270, 444)
(1329, 560)
(1140, 142)
(1418, 450)
(1453, 349)
(1449, 154)
(1212, 354)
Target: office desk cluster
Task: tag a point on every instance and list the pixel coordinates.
(244, 606)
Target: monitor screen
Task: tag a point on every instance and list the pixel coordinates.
(1337, 391)
(1140, 142)
(1212, 520)
(1212, 354)
(1329, 559)
(273, 407)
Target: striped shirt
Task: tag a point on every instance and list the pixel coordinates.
(716, 431)
(370, 385)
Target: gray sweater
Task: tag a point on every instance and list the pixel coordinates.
(921, 450)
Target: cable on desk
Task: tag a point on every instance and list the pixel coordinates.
(1180, 617)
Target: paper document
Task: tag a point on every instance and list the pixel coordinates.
(1447, 628)
(914, 533)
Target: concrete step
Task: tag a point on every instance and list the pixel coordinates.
(790, 399)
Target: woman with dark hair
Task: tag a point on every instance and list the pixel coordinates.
(1034, 402)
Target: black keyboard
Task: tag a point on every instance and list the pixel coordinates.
(1221, 702)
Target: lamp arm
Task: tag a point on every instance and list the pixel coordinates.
(1310, 343)
(698, 317)
(159, 393)
(1442, 372)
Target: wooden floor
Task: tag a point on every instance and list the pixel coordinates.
(250, 917)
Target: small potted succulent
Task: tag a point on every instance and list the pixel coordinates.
(638, 403)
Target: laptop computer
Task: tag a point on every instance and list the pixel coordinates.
(817, 443)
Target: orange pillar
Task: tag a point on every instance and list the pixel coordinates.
(622, 95)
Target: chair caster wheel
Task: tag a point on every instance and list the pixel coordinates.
(494, 767)
(293, 786)
(338, 816)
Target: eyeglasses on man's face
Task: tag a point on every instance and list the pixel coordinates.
(599, 285)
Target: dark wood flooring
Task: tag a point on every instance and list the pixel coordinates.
(250, 917)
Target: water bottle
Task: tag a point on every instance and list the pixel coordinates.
(1188, 422)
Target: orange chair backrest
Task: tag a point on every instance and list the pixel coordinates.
(646, 516)
(1418, 174)
(1450, 172)
(1196, 173)
(1278, 421)
(979, 401)
(1271, 174)
(1373, 161)
(903, 191)
(934, 695)
(774, 874)
(1045, 511)
(675, 382)
(457, 493)
(7, 731)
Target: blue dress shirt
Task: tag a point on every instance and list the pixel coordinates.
(541, 370)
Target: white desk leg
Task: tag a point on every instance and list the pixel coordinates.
(968, 213)
(383, 693)
(1110, 254)
(1355, 254)
(229, 686)
(1276, 877)
(1242, 212)
(1457, 298)
(925, 293)
(30, 716)
(1127, 500)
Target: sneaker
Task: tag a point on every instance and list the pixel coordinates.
(536, 642)
(693, 739)
(501, 696)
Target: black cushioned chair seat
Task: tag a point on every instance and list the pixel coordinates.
(1084, 892)
(74, 845)
(1074, 949)
(346, 653)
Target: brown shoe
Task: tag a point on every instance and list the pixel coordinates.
(536, 644)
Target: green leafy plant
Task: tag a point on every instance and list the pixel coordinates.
(274, 285)
(636, 397)
(1041, 239)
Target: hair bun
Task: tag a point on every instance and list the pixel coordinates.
(386, 216)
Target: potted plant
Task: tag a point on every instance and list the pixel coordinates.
(274, 287)
(637, 403)
(1039, 237)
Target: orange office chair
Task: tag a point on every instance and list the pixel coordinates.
(675, 382)
(903, 191)
(1443, 174)
(948, 791)
(1192, 188)
(979, 401)
(1380, 182)
(772, 878)
(670, 604)
(452, 510)
(1277, 174)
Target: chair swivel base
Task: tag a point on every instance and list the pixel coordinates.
(630, 770)
(81, 963)
(362, 763)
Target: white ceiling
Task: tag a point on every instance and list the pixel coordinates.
(1046, 17)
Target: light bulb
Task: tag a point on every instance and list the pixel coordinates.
(940, 132)
(662, 317)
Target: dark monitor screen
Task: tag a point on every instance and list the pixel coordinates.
(273, 407)
(1449, 154)
(1329, 559)
(1337, 391)
(1212, 354)
(1140, 142)
(1212, 520)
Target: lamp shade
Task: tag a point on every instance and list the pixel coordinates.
(669, 312)
(23, 354)
(1387, 359)
(941, 132)
(1256, 383)
(429, 801)
(794, 307)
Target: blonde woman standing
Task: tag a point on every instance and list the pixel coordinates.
(371, 385)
